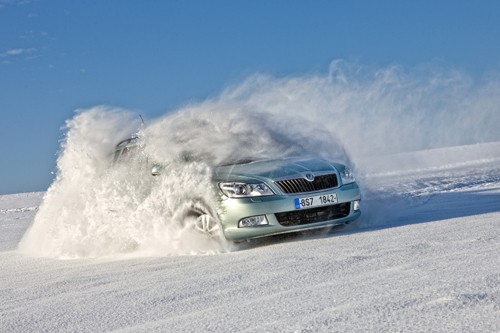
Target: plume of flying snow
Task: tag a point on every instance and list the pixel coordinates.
(354, 115)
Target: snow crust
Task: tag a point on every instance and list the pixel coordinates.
(424, 257)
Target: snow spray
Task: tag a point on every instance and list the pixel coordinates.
(97, 208)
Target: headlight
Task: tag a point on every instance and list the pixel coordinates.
(347, 176)
(242, 190)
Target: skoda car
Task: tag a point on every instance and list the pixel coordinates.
(268, 197)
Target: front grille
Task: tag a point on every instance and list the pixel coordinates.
(301, 185)
(313, 215)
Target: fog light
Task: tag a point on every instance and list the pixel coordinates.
(355, 205)
(252, 221)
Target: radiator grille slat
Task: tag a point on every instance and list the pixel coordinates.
(301, 185)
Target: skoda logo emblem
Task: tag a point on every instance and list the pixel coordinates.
(309, 177)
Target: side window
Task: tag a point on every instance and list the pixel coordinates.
(125, 153)
(117, 155)
(128, 151)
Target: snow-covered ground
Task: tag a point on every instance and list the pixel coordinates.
(423, 257)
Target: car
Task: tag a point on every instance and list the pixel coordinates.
(259, 198)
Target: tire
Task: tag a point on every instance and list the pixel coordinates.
(202, 220)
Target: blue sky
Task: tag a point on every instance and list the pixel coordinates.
(155, 56)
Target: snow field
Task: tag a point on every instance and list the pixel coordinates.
(421, 259)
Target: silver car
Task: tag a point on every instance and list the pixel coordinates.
(268, 197)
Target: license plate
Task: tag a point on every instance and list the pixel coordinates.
(314, 201)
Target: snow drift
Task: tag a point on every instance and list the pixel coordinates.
(353, 115)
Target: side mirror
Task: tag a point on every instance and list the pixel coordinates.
(156, 170)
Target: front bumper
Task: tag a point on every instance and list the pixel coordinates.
(231, 211)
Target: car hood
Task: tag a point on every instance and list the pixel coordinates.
(275, 169)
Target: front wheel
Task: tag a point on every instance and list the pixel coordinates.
(206, 224)
(201, 229)
(202, 220)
